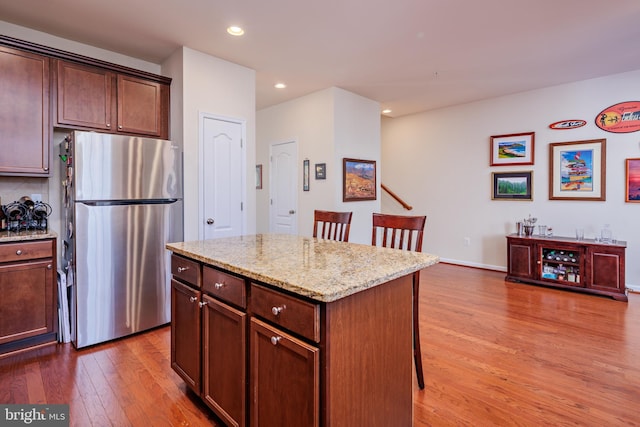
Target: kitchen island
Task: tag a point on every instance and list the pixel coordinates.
(287, 330)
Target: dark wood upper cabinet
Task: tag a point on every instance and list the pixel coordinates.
(96, 98)
(25, 126)
(84, 96)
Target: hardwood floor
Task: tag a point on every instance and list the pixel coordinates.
(495, 353)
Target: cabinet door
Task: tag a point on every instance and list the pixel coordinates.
(84, 96)
(24, 113)
(606, 269)
(520, 259)
(224, 357)
(284, 378)
(185, 333)
(27, 302)
(140, 106)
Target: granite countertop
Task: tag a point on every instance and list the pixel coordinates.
(19, 236)
(323, 270)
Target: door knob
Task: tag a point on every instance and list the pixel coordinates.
(209, 221)
(291, 212)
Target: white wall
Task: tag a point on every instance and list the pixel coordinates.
(438, 162)
(327, 125)
(202, 83)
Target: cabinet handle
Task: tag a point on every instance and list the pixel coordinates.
(277, 310)
(218, 285)
(202, 303)
(108, 125)
(181, 269)
(275, 340)
(193, 299)
(19, 252)
(120, 127)
(49, 267)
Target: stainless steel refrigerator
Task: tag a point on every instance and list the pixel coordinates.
(122, 199)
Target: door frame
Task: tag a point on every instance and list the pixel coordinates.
(243, 167)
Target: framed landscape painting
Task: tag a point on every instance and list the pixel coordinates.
(512, 185)
(358, 180)
(633, 181)
(577, 170)
(513, 149)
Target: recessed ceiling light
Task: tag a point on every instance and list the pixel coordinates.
(234, 30)
(386, 111)
(280, 85)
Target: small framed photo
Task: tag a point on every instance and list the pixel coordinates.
(513, 149)
(577, 170)
(321, 171)
(258, 177)
(512, 185)
(305, 175)
(633, 181)
(358, 180)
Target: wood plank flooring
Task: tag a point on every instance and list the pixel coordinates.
(495, 353)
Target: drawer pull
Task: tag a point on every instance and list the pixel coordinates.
(181, 269)
(19, 252)
(218, 285)
(193, 299)
(49, 266)
(275, 340)
(202, 303)
(277, 310)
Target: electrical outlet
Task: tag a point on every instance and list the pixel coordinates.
(467, 241)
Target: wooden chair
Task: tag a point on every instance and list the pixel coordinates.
(332, 225)
(404, 232)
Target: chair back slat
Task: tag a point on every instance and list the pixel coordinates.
(398, 231)
(332, 225)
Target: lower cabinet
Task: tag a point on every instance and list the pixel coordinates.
(585, 265)
(224, 356)
(285, 378)
(28, 297)
(261, 356)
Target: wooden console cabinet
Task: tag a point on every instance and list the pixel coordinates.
(28, 302)
(586, 265)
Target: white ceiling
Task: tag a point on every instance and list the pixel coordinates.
(409, 55)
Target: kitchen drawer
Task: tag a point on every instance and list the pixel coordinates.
(288, 312)
(22, 251)
(224, 286)
(186, 270)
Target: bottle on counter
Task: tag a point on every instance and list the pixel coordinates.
(3, 218)
(606, 234)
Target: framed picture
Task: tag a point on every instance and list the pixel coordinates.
(321, 171)
(633, 181)
(305, 175)
(358, 180)
(258, 177)
(577, 170)
(514, 149)
(512, 185)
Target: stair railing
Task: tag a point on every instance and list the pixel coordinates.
(396, 197)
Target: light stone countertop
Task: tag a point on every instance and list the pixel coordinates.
(20, 236)
(323, 270)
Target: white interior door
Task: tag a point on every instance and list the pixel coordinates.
(222, 167)
(284, 188)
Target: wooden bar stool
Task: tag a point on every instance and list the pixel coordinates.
(404, 232)
(332, 225)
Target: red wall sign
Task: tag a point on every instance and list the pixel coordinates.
(620, 118)
(567, 124)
